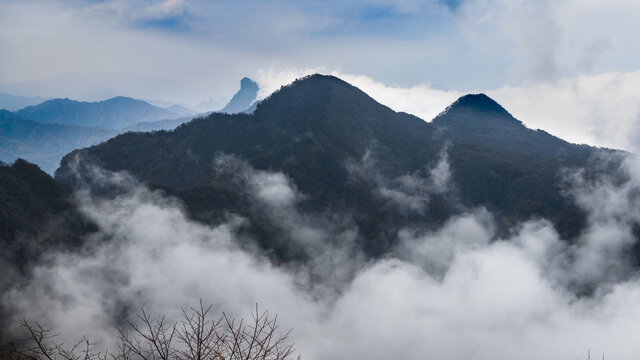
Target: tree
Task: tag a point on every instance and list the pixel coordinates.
(197, 336)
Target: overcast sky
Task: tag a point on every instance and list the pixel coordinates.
(566, 53)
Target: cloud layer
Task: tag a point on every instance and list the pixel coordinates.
(455, 292)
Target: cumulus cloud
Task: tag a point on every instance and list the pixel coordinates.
(456, 292)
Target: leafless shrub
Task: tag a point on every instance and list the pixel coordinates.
(197, 336)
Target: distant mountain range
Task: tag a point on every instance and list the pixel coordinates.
(352, 156)
(169, 124)
(45, 131)
(44, 144)
(17, 102)
(114, 113)
(180, 110)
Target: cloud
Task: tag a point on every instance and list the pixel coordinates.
(325, 243)
(202, 48)
(271, 80)
(167, 15)
(434, 251)
(423, 100)
(532, 31)
(409, 192)
(453, 292)
(599, 110)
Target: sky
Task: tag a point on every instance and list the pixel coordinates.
(566, 66)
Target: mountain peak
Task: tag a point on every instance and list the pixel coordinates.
(123, 99)
(247, 83)
(244, 98)
(318, 79)
(479, 102)
(475, 110)
(314, 82)
(315, 91)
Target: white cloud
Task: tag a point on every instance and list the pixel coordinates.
(601, 110)
(455, 292)
(271, 80)
(421, 100)
(410, 192)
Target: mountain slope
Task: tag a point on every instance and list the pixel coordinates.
(309, 131)
(114, 113)
(43, 144)
(350, 155)
(244, 98)
(501, 164)
(36, 214)
(180, 110)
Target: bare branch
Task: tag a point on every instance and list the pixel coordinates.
(196, 337)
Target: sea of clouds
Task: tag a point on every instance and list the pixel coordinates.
(457, 292)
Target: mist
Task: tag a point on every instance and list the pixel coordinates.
(456, 292)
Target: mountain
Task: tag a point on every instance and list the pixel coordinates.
(180, 110)
(169, 124)
(252, 108)
(211, 104)
(352, 156)
(244, 98)
(510, 169)
(37, 216)
(114, 113)
(36, 213)
(44, 144)
(15, 102)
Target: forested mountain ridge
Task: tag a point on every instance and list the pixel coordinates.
(511, 169)
(349, 154)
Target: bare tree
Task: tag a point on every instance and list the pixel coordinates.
(38, 345)
(197, 336)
